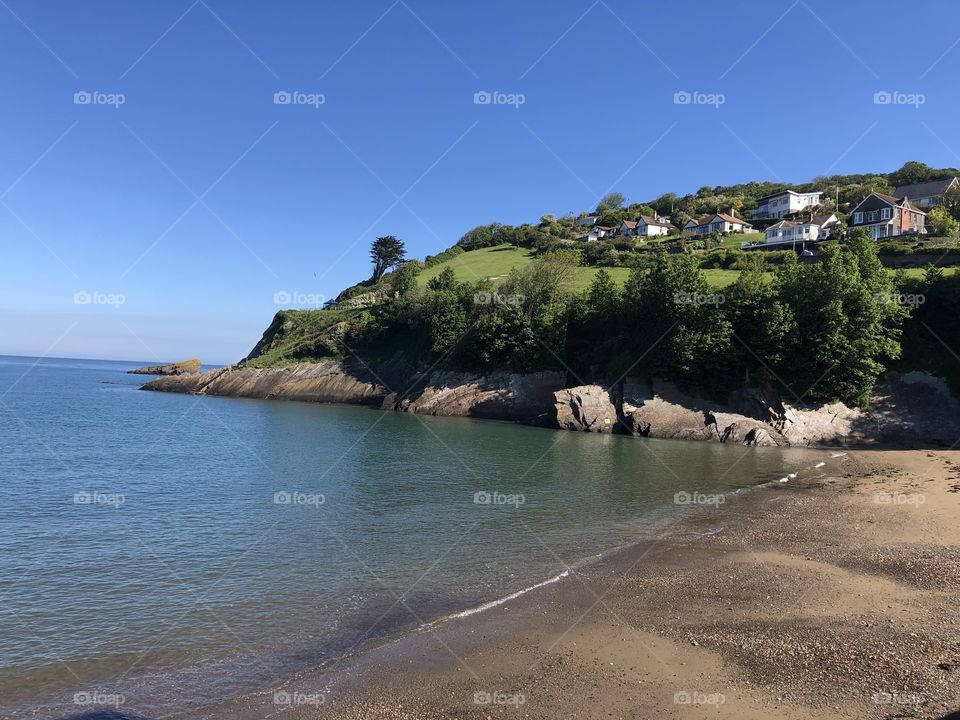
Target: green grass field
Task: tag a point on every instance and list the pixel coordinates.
(495, 263)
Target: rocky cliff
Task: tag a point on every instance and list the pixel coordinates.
(908, 409)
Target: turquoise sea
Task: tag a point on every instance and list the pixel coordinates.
(162, 552)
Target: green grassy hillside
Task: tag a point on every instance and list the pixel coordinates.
(495, 263)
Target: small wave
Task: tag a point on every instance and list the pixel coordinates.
(508, 598)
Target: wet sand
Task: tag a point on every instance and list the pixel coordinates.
(828, 597)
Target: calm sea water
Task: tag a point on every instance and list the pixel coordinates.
(177, 551)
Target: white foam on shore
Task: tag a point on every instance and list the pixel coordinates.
(508, 598)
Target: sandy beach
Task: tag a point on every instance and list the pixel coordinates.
(828, 597)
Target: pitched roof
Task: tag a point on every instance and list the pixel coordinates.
(656, 222)
(706, 219)
(823, 219)
(819, 220)
(631, 224)
(891, 200)
(788, 192)
(730, 218)
(926, 189)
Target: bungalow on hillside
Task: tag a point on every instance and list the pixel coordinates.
(888, 216)
(928, 194)
(653, 226)
(716, 223)
(587, 220)
(647, 226)
(784, 203)
(597, 232)
(795, 233)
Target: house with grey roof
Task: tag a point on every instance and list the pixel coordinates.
(928, 194)
(888, 216)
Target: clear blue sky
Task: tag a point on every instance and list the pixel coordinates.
(199, 198)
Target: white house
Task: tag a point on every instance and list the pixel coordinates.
(784, 203)
(716, 223)
(597, 232)
(794, 232)
(653, 226)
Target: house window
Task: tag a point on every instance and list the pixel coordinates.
(872, 216)
(858, 217)
(885, 214)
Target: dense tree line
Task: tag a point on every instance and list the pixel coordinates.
(820, 330)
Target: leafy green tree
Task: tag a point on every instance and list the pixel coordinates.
(910, 173)
(386, 252)
(405, 278)
(847, 315)
(446, 280)
(611, 201)
(604, 297)
(674, 324)
(944, 224)
(447, 320)
(763, 328)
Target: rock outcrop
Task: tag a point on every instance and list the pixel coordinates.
(184, 367)
(499, 396)
(909, 409)
(588, 408)
(325, 382)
